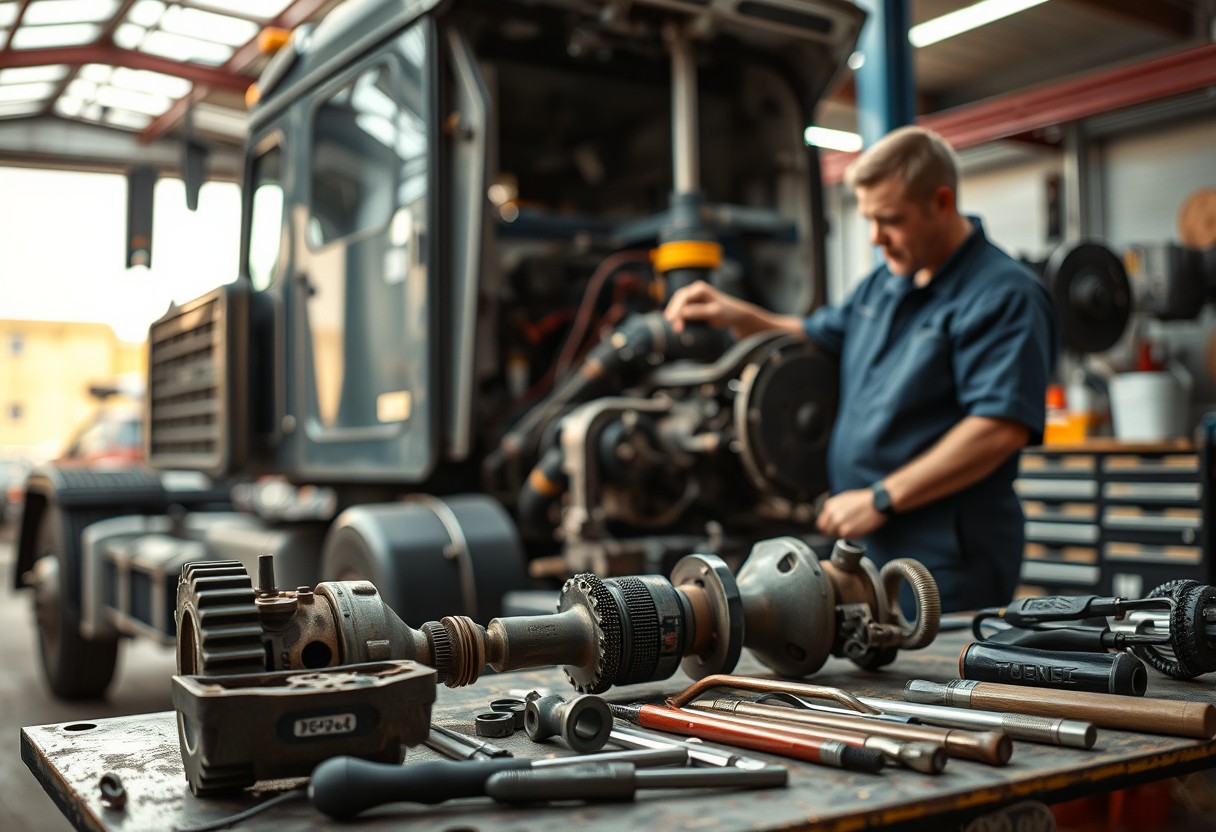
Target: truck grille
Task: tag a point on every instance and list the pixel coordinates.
(191, 401)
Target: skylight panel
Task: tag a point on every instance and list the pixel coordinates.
(97, 73)
(256, 8)
(25, 92)
(127, 119)
(80, 88)
(152, 83)
(19, 108)
(39, 37)
(44, 12)
(208, 26)
(129, 36)
(8, 13)
(180, 48)
(69, 106)
(146, 13)
(33, 74)
(152, 105)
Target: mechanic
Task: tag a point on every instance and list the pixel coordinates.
(945, 352)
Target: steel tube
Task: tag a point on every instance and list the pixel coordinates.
(1072, 733)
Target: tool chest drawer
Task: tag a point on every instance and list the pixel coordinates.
(1117, 519)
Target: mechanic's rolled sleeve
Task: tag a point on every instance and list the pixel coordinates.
(1005, 350)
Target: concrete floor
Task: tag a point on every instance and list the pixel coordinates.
(141, 685)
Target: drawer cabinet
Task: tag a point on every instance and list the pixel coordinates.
(1117, 519)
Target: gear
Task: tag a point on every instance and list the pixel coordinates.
(589, 591)
(219, 629)
(441, 648)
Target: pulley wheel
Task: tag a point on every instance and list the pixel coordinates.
(784, 415)
(1092, 294)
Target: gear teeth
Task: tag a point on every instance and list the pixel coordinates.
(441, 648)
(590, 591)
(219, 598)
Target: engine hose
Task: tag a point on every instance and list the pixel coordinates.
(542, 488)
(928, 601)
(1153, 656)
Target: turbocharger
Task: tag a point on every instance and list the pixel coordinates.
(785, 605)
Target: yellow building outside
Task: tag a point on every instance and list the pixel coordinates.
(46, 370)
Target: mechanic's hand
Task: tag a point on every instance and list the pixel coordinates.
(850, 514)
(701, 302)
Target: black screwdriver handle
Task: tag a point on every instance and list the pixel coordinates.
(590, 782)
(1077, 639)
(342, 787)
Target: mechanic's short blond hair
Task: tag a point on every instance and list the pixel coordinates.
(919, 158)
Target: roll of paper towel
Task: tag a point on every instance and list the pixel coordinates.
(1147, 407)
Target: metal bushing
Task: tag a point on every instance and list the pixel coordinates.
(584, 722)
(494, 724)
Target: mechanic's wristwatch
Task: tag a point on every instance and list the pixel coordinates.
(882, 500)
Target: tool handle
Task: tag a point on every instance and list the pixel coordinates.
(589, 781)
(1079, 639)
(1130, 713)
(342, 787)
(1010, 664)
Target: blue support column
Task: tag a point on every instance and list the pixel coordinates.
(884, 82)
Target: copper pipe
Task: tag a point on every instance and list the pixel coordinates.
(991, 747)
(925, 757)
(771, 741)
(768, 686)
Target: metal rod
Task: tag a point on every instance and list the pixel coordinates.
(767, 686)
(697, 752)
(991, 747)
(686, 152)
(1072, 733)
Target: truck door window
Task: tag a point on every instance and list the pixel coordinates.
(265, 218)
(366, 268)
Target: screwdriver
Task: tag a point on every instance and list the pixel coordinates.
(342, 787)
(620, 781)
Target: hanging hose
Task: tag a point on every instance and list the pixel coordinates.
(928, 601)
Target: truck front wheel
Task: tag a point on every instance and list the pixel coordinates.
(76, 667)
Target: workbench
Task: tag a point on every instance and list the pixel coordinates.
(68, 760)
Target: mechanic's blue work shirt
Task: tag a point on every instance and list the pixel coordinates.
(978, 340)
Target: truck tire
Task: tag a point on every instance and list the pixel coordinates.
(75, 667)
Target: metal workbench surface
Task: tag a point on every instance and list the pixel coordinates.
(69, 758)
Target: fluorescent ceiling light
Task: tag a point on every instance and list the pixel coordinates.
(43, 12)
(965, 19)
(69, 106)
(8, 13)
(33, 74)
(80, 88)
(127, 119)
(71, 34)
(830, 139)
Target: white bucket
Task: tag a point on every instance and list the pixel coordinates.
(1147, 407)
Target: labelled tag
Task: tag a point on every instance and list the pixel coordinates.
(323, 726)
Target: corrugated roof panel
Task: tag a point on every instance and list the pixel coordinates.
(15, 109)
(152, 105)
(26, 92)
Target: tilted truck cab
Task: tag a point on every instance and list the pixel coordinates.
(461, 221)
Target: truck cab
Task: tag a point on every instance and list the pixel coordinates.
(461, 222)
